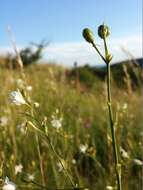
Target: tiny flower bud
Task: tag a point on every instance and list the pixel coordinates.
(109, 58)
(103, 31)
(88, 35)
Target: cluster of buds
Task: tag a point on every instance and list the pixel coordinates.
(103, 32)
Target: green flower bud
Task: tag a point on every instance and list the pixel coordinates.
(109, 58)
(88, 35)
(103, 31)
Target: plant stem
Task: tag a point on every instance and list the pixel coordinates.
(112, 124)
(40, 159)
(54, 151)
(98, 51)
(60, 160)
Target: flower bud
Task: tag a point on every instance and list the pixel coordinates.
(103, 31)
(109, 58)
(88, 35)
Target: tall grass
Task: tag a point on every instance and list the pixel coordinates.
(84, 123)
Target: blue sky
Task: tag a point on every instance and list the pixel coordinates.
(61, 22)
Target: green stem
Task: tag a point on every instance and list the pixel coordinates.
(98, 51)
(54, 151)
(40, 159)
(60, 160)
(112, 125)
(106, 49)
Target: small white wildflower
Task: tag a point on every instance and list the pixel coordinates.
(138, 162)
(83, 148)
(124, 153)
(18, 169)
(17, 98)
(109, 187)
(3, 121)
(31, 177)
(56, 123)
(8, 185)
(29, 88)
(125, 105)
(73, 161)
(36, 104)
(60, 168)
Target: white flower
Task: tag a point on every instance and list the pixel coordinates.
(8, 185)
(17, 98)
(56, 123)
(138, 162)
(83, 148)
(29, 88)
(31, 177)
(73, 161)
(109, 187)
(60, 167)
(125, 106)
(18, 169)
(124, 153)
(36, 104)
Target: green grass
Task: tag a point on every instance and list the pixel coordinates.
(84, 112)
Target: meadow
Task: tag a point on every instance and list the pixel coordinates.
(74, 117)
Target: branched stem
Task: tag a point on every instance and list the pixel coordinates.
(111, 120)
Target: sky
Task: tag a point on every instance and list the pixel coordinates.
(61, 23)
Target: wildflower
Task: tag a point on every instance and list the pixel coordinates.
(18, 169)
(73, 161)
(60, 167)
(109, 187)
(125, 105)
(36, 105)
(138, 162)
(88, 35)
(124, 154)
(56, 121)
(29, 88)
(17, 98)
(83, 148)
(8, 185)
(31, 177)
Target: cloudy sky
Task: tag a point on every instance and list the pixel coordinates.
(61, 22)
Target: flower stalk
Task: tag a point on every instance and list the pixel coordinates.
(103, 32)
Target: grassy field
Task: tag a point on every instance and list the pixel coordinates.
(75, 119)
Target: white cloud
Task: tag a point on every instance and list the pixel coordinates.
(82, 52)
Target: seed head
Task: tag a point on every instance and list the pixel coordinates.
(88, 35)
(103, 31)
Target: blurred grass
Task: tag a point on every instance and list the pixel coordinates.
(85, 115)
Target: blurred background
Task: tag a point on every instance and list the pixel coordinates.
(61, 23)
